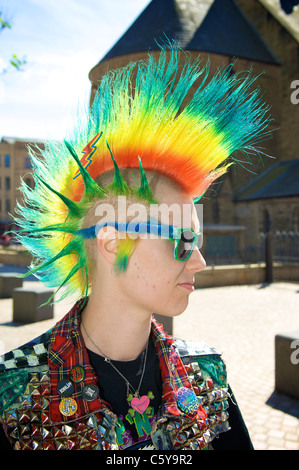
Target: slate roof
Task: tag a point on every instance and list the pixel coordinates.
(279, 180)
(217, 26)
(226, 30)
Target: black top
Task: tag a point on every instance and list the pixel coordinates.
(114, 390)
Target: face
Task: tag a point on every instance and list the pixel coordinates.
(154, 279)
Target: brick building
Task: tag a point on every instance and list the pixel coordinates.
(261, 36)
(14, 165)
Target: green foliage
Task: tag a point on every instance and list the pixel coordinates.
(16, 62)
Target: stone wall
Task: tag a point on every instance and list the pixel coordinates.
(286, 48)
(217, 276)
(283, 215)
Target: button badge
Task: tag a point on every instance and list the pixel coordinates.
(90, 392)
(77, 374)
(187, 400)
(65, 388)
(68, 406)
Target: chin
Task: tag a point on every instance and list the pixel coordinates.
(177, 309)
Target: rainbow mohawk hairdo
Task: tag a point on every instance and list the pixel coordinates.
(133, 121)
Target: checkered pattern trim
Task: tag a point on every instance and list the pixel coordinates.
(30, 355)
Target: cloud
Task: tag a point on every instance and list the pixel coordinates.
(43, 100)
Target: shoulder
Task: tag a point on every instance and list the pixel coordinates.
(194, 348)
(18, 367)
(31, 354)
(207, 358)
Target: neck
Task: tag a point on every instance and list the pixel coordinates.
(113, 330)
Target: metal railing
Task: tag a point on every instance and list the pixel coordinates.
(286, 247)
(278, 246)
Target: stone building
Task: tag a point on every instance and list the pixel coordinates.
(14, 165)
(255, 35)
(270, 201)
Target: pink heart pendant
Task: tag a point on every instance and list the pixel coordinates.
(140, 404)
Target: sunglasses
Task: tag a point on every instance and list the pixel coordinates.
(184, 239)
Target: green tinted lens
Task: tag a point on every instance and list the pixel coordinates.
(185, 245)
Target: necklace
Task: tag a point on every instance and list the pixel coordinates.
(137, 402)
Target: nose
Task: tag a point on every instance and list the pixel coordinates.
(196, 262)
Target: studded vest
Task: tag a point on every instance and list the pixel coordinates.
(194, 401)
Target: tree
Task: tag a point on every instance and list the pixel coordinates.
(15, 62)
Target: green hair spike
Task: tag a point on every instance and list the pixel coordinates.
(144, 191)
(92, 189)
(75, 209)
(118, 186)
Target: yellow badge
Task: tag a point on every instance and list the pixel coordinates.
(68, 406)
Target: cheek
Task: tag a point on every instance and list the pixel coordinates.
(151, 280)
(152, 266)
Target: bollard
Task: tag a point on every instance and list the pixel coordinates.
(27, 303)
(287, 363)
(8, 282)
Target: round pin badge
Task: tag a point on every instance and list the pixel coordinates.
(90, 392)
(187, 400)
(65, 388)
(68, 406)
(77, 374)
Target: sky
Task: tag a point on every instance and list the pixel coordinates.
(62, 41)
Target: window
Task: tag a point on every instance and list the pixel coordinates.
(7, 183)
(221, 246)
(265, 223)
(7, 205)
(27, 162)
(295, 223)
(7, 161)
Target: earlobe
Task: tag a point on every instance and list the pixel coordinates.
(107, 242)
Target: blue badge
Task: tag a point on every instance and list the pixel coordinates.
(187, 400)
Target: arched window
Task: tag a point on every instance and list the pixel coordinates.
(295, 220)
(265, 221)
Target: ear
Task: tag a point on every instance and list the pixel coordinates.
(108, 242)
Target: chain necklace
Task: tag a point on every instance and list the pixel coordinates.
(137, 402)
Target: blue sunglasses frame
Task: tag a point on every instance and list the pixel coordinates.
(164, 231)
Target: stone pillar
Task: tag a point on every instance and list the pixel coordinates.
(27, 304)
(8, 282)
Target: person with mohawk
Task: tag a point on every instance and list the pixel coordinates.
(107, 376)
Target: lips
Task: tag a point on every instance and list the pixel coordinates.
(187, 285)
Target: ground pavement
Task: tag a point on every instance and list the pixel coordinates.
(241, 322)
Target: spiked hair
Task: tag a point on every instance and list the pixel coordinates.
(134, 124)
